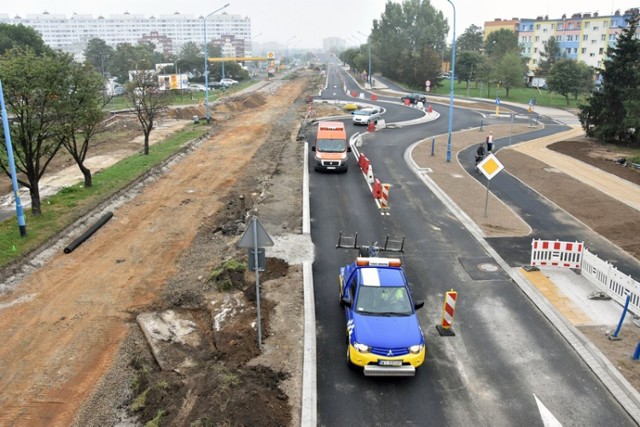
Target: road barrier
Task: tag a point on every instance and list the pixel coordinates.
(370, 174)
(448, 312)
(602, 274)
(374, 97)
(376, 190)
(371, 127)
(384, 198)
(547, 253)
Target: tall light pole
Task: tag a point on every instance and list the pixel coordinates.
(291, 38)
(369, 45)
(253, 63)
(453, 78)
(206, 62)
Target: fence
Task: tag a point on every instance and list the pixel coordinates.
(602, 274)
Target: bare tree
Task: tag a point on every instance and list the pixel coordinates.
(146, 100)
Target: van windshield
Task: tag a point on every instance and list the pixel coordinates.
(330, 145)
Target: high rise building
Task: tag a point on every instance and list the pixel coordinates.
(167, 32)
(584, 37)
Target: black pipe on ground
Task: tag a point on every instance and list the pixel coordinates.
(95, 227)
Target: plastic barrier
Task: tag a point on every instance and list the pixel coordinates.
(407, 102)
(376, 190)
(364, 163)
(361, 95)
(556, 253)
(353, 93)
(384, 199)
(448, 312)
(429, 109)
(370, 174)
(371, 127)
(374, 97)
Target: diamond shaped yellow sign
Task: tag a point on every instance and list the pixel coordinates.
(490, 166)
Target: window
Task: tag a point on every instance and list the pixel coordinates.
(535, 61)
(537, 26)
(585, 37)
(601, 51)
(592, 54)
(537, 38)
(571, 25)
(586, 24)
(595, 28)
(559, 38)
(560, 27)
(575, 50)
(583, 50)
(553, 26)
(612, 37)
(568, 50)
(603, 37)
(535, 50)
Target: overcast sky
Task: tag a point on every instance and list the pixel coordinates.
(304, 23)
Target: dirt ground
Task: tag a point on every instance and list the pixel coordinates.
(78, 355)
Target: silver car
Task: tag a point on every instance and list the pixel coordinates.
(364, 116)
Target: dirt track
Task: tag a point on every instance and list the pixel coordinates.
(63, 326)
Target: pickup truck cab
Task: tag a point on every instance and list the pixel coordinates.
(383, 333)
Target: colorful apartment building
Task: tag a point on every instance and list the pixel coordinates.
(582, 36)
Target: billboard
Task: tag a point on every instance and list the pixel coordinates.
(173, 81)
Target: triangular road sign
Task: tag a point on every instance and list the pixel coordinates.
(255, 229)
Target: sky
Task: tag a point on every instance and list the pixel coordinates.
(303, 23)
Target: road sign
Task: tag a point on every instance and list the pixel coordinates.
(497, 101)
(427, 83)
(490, 166)
(255, 236)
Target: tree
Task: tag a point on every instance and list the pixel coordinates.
(408, 40)
(98, 53)
(190, 60)
(147, 101)
(611, 114)
(20, 36)
(549, 56)
(82, 114)
(471, 40)
(468, 65)
(501, 42)
(127, 57)
(34, 88)
(510, 70)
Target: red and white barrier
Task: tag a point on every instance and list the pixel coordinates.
(549, 253)
(448, 313)
(384, 197)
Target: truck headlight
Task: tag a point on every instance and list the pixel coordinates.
(361, 347)
(416, 349)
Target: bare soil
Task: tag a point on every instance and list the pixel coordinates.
(77, 355)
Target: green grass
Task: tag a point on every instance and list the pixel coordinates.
(520, 95)
(71, 203)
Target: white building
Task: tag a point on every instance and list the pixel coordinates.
(167, 32)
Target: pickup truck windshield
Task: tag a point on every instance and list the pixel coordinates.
(380, 300)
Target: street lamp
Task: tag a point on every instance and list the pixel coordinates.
(291, 38)
(453, 78)
(369, 45)
(206, 66)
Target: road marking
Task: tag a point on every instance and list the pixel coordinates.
(548, 420)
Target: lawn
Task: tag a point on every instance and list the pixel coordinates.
(521, 95)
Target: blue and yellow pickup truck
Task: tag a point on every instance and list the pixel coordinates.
(383, 333)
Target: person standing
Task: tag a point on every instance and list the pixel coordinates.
(490, 142)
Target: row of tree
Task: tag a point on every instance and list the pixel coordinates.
(117, 62)
(55, 103)
(407, 44)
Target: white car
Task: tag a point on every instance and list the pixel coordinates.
(196, 87)
(228, 82)
(364, 116)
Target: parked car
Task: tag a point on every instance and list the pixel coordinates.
(228, 82)
(196, 87)
(414, 98)
(215, 85)
(364, 116)
(118, 90)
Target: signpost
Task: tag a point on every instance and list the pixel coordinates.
(497, 106)
(255, 238)
(489, 167)
(427, 85)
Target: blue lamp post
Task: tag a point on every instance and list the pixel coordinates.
(206, 62)
(12, 166)
(453, 78)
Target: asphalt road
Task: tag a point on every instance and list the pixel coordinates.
(505, 354)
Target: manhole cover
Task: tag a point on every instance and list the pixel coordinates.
(488, 267)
